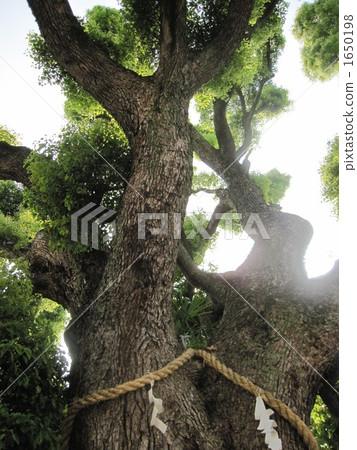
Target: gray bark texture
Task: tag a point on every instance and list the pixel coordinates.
(276, 326)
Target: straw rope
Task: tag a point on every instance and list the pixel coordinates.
(130, 386)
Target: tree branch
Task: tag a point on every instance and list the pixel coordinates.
(268, 56)
(242, 100)
(223, 132)
(221, 208)
(206, 152)
(248, 116)
(12, 159)
(268, 11)
(280, 239)
(52, 274)
(63, 277)
(253, 110)
(245, 195)
(208, 282)
(111, 84)
(234, 29)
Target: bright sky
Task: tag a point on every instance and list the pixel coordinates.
(295, 144)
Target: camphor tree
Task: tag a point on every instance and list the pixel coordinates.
(129, 328)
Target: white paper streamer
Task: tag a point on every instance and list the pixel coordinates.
(267, 425)
(158, 409)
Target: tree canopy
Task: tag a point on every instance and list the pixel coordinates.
(316, 27)
(75, 166)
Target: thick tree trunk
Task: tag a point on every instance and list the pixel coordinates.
(277, 328)
(129, 330)
(283, 338)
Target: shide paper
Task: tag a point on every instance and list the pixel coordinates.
(158, 409)
(267, 425)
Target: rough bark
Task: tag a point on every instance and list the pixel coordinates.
(132, 323)
(252, 346)
(128, 328)
(12, 159)
(67, 279)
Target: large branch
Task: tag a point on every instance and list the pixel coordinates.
(208, 282)
(64, 277)
(222, 129)
(53, 274)
(280, 239)
(12, 159)
(173, 33)
(111, 84)
(206, 152)
(246, 196)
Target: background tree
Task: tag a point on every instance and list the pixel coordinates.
(329, 173)
(130, 328)
(316, 27)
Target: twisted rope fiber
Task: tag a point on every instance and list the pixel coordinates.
(169, 369)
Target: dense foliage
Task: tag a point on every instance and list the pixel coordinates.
(324, 426)
(31, 409)
(316, 27)
(8, 136)
(73, 170)
(10, 197)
